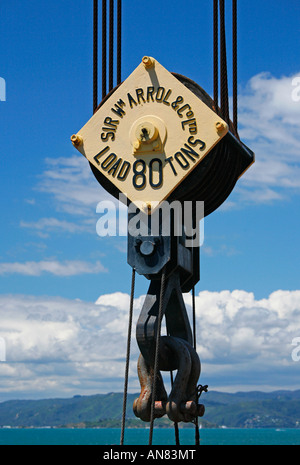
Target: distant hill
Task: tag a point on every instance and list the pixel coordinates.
(279, 409)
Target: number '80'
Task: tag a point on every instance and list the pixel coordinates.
(140, 174)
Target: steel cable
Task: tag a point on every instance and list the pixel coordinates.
(197, 434)
(156, 359)
(224, 78)
(176, 429)
(95, 57)
(104, 46)
(119, 41)
(111, 45)
(234, 64)
(216, 55)
(127, 357)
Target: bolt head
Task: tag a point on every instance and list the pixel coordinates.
(220, 126)
(200, 410)
(147, 61)
(76, 140)
(146, 132)
(147, 248)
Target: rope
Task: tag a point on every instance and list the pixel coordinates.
(197, 434)
(176, 429)
(234, 61)
(216, 55)
(95, 57)
(104, 14)
(194, 317)
(160, 314)
(119, 40)
(127, 357)
(111, 45)
(224, 78)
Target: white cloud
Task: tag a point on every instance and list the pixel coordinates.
(74, 191)
(66, 268)
(72, 184)
(45, 225)
(269, 120)
(57, 346)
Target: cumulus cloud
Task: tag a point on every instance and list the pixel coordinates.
(65, 268)
(269, 119)
(57, 346)
(60, 347)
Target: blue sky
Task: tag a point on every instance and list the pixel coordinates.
(50, 254)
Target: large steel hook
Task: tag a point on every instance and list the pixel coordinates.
(181, 405)
(142, 405)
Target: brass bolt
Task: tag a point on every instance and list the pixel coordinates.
(147, 208)
(148, 62)
(136, 145)
(220, 126)
(76, 140)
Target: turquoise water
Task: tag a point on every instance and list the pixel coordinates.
(111, 436)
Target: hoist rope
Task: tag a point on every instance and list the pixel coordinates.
(223, 64)
(194, 318)
(95, 57)
(219, 45)
(176, 429)
(111, 45)
(234, 65)
(104, 59)
(107, 64)
(197, 434)
(119, 41)
(127, 357)
(157, 348)
(216, 55)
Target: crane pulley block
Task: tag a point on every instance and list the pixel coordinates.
(156, 137)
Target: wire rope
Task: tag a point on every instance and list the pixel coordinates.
(95, 56)
(156, 359)
(127, 357)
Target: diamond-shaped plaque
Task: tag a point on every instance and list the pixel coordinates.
(149, 134)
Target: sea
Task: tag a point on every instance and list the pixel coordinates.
(161, 437)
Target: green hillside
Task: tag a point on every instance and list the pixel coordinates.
(240, 410)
